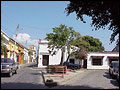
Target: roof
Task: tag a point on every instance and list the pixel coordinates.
(110, 52)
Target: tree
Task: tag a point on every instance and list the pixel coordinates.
(61, 38)
(102, 12)
(30, 54)
(89, 43)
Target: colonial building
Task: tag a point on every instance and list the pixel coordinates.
(20, 53)
(45, 58)
(6, 43)
(101, 60)
(26, 56)
(32, 48)
(12, 50)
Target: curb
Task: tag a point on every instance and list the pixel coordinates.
(65, 79)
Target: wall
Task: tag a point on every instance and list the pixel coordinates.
(43, 50)
(105, 60)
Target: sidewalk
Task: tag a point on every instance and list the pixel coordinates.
(60, 79)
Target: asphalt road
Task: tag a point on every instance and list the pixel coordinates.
(26, 78)
(90, 79)
(29, 78)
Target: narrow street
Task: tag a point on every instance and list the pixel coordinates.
(26, 78)
(90, 79)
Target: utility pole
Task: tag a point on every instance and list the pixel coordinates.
(15, 41)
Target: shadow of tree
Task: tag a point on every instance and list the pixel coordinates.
(115, 83)
(107, 75)
(32, 65)
(113, 80)
(75, 87)
(4, 75)
(22, 86)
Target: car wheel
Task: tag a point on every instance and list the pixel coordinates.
(76, 68)
(15, 71)
(10, 74)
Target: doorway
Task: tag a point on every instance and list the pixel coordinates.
(45, 60)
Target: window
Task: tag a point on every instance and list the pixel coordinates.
(97, 61)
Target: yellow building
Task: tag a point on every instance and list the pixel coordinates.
(20, 53)
(12, 50)
(4, 43)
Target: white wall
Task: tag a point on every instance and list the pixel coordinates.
(43, 50)
(105, 60)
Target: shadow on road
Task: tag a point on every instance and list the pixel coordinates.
(113, 81)
(22, 86)
(75, 87)
(107, 75)
(4, 75)
(32, 65)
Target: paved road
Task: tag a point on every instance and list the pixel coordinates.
(26, 78)
(90, 79)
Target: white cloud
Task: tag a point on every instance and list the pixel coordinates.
(23, 37)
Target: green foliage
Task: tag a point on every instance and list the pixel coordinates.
(3, 50)
(61, 38)
(29, 52)
(89, 43)
(102, 12)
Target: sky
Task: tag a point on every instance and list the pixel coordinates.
(37, 18)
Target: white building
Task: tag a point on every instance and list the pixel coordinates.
(26, 56)
(45, 58)
(32, 48)
(101, 60)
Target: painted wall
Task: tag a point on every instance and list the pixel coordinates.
(53, 60)
(43, 50)
(105, 60)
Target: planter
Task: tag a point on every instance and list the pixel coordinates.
(50, 83)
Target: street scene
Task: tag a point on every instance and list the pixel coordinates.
(60, 44)
(30, 77)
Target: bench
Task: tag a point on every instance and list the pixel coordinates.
(57, 69)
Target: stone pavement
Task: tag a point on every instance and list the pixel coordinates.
(60, 78)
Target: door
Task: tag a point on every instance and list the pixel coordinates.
(45, 60)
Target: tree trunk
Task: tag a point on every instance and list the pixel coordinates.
(68, 58)
(62, 54)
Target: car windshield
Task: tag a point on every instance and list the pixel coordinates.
(6, 60)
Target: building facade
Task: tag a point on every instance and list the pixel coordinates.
(45, 58)
(20, 53)
(32, 48)
(6, 43)
(101, 60)
(12, 50)
(26, 56)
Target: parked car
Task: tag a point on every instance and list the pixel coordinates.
(72, 66)
(114, 69)
(8, 66)
(118, 76)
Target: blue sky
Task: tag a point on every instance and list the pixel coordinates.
(39, 17)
